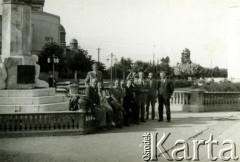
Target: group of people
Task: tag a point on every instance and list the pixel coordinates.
(127, 101)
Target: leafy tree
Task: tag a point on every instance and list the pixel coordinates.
(79, 61)
(164, 66)
(122, 68)
(47, 53)
(187, 70)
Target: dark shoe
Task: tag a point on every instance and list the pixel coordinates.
(135, 122)
(152, 118)
(104, 128)
(160, 120)
(168, 120)
(119, 126)
(143, 120)
(126, 125)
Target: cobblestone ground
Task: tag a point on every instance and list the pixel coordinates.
(125, 144)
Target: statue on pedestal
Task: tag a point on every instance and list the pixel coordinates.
(3, 75)
(38, 83)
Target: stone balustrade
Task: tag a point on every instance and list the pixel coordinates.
(216, 98)
(180, 97)
(198, 100)
(222, 101)
(80, 121)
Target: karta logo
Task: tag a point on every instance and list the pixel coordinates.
(154, 146)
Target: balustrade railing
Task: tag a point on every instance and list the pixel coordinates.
(180, 98)
(81, 121)
(218, 98)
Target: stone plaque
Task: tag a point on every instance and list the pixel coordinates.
(26, 74)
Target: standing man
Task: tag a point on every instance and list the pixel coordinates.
(128, 101)
(133, 75)
(141, 95)
(152, 85)
(165, 92)
(93, 74)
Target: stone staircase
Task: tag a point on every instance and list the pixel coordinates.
(32, 100)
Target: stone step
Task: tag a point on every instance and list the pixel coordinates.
(28, 92)
(62, 106)
(33, 100)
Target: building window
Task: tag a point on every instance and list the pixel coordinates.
(49, 39)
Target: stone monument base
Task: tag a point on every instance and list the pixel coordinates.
(31, 101)
(20, 72)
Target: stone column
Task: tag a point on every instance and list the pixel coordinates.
(16, 43)
(197, 101)
(73, 89)
(234, 44)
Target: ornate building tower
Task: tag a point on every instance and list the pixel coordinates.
(62, 36)
(37, 5)
(73, 44)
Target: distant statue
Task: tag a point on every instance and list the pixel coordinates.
(3, 75)
(186, 56)
(38, 83)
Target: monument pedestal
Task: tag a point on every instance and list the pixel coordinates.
(16, 44)
(21, 72)
(32, 101)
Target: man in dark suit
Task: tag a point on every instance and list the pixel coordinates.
(152, 85)
(141, 95)
(129, 102)
(165, 91)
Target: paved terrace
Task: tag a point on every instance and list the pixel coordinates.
(125, 144)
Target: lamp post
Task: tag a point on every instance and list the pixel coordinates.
(112, 56)
(54, 60)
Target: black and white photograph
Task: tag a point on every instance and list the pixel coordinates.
(119, 80)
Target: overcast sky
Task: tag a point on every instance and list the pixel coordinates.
(131, 28)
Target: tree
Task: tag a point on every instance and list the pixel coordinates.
(187, 70)
(79, 61)
(141, 66)
(121, 68)
(164, 66)
(47, 52)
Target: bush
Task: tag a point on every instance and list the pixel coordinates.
(225, 86)
(182, 83)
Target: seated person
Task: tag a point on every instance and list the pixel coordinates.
(116, 101)
(94, 102)
(104, 103)
(74, 103)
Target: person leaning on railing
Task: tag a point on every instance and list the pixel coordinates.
(93, 98)
(93, 74)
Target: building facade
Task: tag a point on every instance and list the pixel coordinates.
(46, 27)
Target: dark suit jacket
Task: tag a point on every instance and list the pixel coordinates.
(128, 94)
(165, 89)
(92, 96)
(152, 88)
